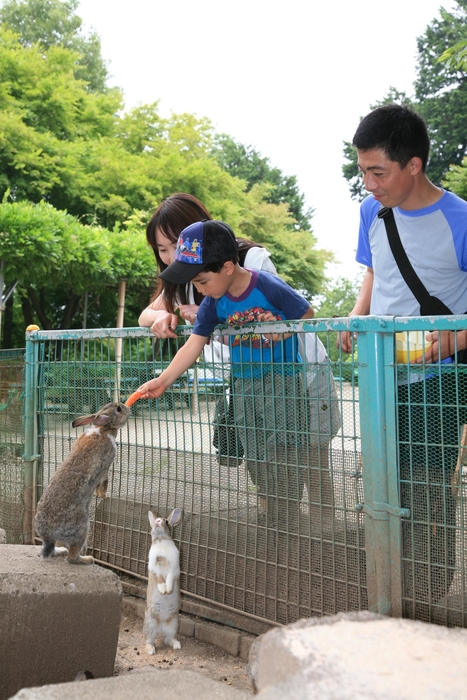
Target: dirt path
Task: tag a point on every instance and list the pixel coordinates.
(194, 655)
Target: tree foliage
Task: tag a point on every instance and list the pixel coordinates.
(456, 179)
(440, 97)
(441, 91)
(54, 23)
(56, 259)
(336, 301)
(80, 178)
(247, 164)
(456, 56)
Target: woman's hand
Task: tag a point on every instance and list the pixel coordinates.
(164, 324)
(188, 312)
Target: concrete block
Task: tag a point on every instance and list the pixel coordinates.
(245, 646)
(226, 639)
(159, 683)
(133, 606)
(253, 662)
(365, 656)
(186, 627)
(56, 619)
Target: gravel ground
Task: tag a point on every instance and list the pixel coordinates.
(194, 655)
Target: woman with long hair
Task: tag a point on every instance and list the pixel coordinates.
(170, 218)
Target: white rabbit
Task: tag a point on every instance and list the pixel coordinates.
(163, 595)
(63, 510)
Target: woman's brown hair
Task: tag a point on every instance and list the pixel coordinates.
(173, 215)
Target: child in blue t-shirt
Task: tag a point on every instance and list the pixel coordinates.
(269, 385)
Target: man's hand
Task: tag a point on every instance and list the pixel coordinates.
(442, 345)
(345, 340)
(362, 308)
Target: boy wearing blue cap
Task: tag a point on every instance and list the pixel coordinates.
(269, 393)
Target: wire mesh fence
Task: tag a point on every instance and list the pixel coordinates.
(270, 526)
(432, 437)
(11, 443)
(307, 489)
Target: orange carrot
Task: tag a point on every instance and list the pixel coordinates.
(133, 398)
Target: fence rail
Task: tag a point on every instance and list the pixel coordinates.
(346, 494)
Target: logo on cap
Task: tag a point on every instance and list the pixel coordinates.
(190, 245)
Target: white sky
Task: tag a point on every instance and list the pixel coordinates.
(291, 79)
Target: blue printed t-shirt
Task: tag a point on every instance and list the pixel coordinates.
(266, 292)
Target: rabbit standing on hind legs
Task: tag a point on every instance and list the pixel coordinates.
(163, 596)
(63, 511)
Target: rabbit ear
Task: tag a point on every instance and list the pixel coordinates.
(175, 517)
(101, 419)
(83, 420)
(152, 519)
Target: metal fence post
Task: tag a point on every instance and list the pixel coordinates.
(31, 446)
(379, 458)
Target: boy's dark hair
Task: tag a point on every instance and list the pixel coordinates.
(396, 130)
(217, 266)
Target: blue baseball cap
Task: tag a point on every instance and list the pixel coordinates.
(198, 245)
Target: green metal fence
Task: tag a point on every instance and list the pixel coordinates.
(11, 443)
(343, 494)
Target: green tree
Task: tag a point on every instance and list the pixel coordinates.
(440, 96)
(71, 149)
(456, 179)
(338, 298)
(47, 120)
(56, 259)
(455, 56)
(54, 23)
(441, 90)
(247, 164)
(336, 301)
(297, 259)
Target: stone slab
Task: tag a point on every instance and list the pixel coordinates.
(228, 640)
(365, 656)
(245, 646)
(158, 683)
(57, 619)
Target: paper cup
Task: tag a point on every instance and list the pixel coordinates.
(411, 345)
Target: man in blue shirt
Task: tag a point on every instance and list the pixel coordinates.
(392, 144)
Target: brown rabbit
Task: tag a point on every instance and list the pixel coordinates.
(63, 511)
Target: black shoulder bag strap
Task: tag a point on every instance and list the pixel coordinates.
(429, 305)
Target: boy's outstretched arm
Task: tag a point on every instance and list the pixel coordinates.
(183, 360)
